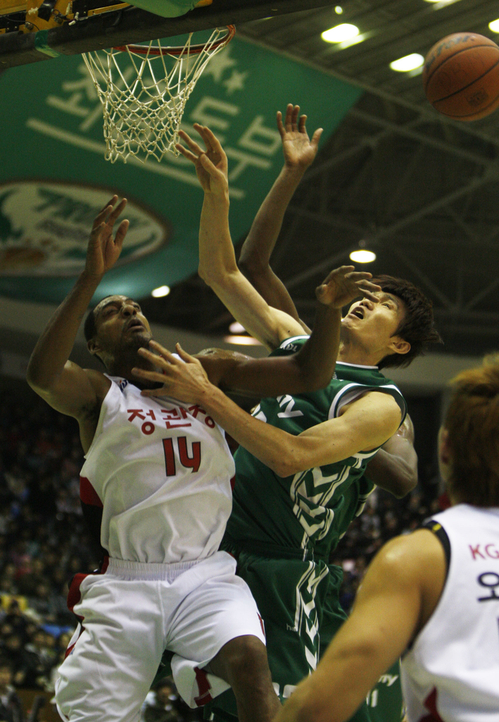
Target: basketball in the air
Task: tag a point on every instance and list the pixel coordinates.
(461, 76)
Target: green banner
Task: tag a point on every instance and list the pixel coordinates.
(54, 179)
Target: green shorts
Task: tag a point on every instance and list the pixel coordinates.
(295, 598)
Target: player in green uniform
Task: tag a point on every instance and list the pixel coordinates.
(394, 467)
(290, 511)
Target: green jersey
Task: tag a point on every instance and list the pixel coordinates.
(304, 515)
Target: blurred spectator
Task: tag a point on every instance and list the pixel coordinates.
(10, 704)
(163, 704)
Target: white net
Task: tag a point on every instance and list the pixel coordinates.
(144, 90)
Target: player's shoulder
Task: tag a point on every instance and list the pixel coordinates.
(99, 381)
(412, 555)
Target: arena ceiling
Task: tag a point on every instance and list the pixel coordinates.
(421, 189)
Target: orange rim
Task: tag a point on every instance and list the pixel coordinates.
(176, 51)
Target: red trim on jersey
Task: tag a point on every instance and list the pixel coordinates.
(72, 646)
(203, 686)
(233, 482)
(431, 705)
(88, 495)
(74, 594)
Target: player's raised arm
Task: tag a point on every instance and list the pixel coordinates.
(311, 368)
(217, 261)
(62, 383)
(299, 152)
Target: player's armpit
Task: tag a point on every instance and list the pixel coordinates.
(395, 466)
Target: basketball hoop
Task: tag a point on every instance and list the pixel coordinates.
(143, 90)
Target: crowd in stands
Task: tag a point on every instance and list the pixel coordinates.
(44, 542)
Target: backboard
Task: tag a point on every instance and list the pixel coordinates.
(129, 25)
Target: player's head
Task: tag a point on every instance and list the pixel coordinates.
(417, 324)
(116, 325)
(469, 438)
(395, 330)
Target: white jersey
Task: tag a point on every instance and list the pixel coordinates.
(452, 671)
(161, 470)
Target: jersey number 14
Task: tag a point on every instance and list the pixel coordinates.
(189, 462)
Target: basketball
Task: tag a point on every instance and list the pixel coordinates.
(461, 76)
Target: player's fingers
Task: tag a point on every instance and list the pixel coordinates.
(186, 153)
(163, 352)
(294, 117)
(117, 211)
(194, 147)
(208, 134)
(317, 136)
(359, 275)
(210, 140)
(108, 204)
(209, 166)
(154, 376)
(121, 233)
(302, 124)
(369, 289)
(161, 391)
(100, 220)
(288, 120)
(183, 354)
(280, 124)
(97, 229)
(340, 271)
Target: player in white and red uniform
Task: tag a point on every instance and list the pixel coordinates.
(157, 474)
(452, 669)
(161, 473)
(431, 596)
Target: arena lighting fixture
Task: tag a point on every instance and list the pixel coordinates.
(236, 327)
(407, 63)
(160, 291)
(494, 26)
(441, 3)
(340, 33)
(338, 10)
(242, 340)
(362, 254)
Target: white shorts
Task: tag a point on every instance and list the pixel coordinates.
(131, 614)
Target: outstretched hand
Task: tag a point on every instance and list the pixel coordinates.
(344, 284)
(103, 249)
(183, 379)
(211, 164)
(299, 150)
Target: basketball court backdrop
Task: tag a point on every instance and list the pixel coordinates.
(53, 175)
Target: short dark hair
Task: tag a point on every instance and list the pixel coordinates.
(472, 421)
(418, 325)
(89, 327)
